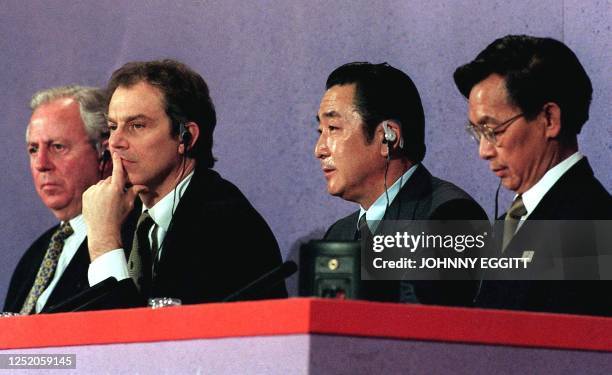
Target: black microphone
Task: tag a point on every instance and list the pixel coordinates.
(100, 297)
(265, 282)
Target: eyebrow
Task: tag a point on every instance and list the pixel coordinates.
(329, 114)
(488, 119)
(48, 141)
(129, 118)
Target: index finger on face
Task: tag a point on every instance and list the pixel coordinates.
(118, 176)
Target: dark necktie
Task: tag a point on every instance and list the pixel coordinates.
(363, 231)
(48, 266)
(512, 219)
(140, 261)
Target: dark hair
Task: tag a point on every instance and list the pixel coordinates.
(383, 92)
(536, 71)
(186, 98)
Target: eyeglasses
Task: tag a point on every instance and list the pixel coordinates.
(489, 132)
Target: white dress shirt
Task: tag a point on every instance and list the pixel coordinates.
(376, 212)
(71, 245)
(533, 196)
(114, 262)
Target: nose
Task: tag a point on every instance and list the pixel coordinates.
(486, 150)
(321, 150)
(117, 140)
(42, 161)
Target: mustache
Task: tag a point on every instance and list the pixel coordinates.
(328, 165)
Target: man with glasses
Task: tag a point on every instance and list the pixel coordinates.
(528, 99)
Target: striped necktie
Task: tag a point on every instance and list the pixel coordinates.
(48, 266)
(512, 220)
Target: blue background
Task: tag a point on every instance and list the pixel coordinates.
(266, 63)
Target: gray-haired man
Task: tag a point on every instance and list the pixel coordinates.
(65, 140)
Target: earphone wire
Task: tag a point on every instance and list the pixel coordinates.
(385, 182)
(178, 181)
(494, 225)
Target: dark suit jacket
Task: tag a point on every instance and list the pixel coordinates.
(72, 281)
(423, 197)
(577, 195)
(216, 244)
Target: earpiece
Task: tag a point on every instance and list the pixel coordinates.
(105, 157)
(390, 135)
(184, 135)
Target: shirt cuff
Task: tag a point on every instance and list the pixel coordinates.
(111, 264)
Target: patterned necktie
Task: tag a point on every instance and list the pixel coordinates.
(140, 263)
(48, 266)
(512, 219)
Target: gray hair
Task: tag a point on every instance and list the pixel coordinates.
(92, 106)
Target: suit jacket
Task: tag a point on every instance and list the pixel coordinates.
(423, 197)
(72, 281)
(216, 244)
(577, 195)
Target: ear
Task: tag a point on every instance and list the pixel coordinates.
(551, 113)
(395, 127)
(194, 133)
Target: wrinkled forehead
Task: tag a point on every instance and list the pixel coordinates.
(58, 119)
(140, 99)
(489, 98)
(338, 102)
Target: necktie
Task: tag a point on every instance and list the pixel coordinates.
(363, 231)
(140, 261)
(48, 266)
(512, 219)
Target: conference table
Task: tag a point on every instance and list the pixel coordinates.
(309, 336)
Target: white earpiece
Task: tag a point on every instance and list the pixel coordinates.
(390, 135)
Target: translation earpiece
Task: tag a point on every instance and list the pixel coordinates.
(106, 156)
(184, 136)
(390, 135)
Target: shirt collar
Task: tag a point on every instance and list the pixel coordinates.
(79, 227)
(162, 211)
(534, 195)
(376, 212)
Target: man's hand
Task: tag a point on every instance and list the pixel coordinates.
(105, 207)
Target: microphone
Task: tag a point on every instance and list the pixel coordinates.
(265, 281)
(101, 297)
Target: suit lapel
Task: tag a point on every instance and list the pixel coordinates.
(74, 278)
(188, 209)
(549, 208)
(406, 203)
(26, 282)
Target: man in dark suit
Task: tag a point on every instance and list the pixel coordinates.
(198, 239)
(371, 144)
(528, 99)
(66, 138)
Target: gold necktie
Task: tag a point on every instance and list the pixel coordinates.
(140, 263)
(512, 219)
(48, 266)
